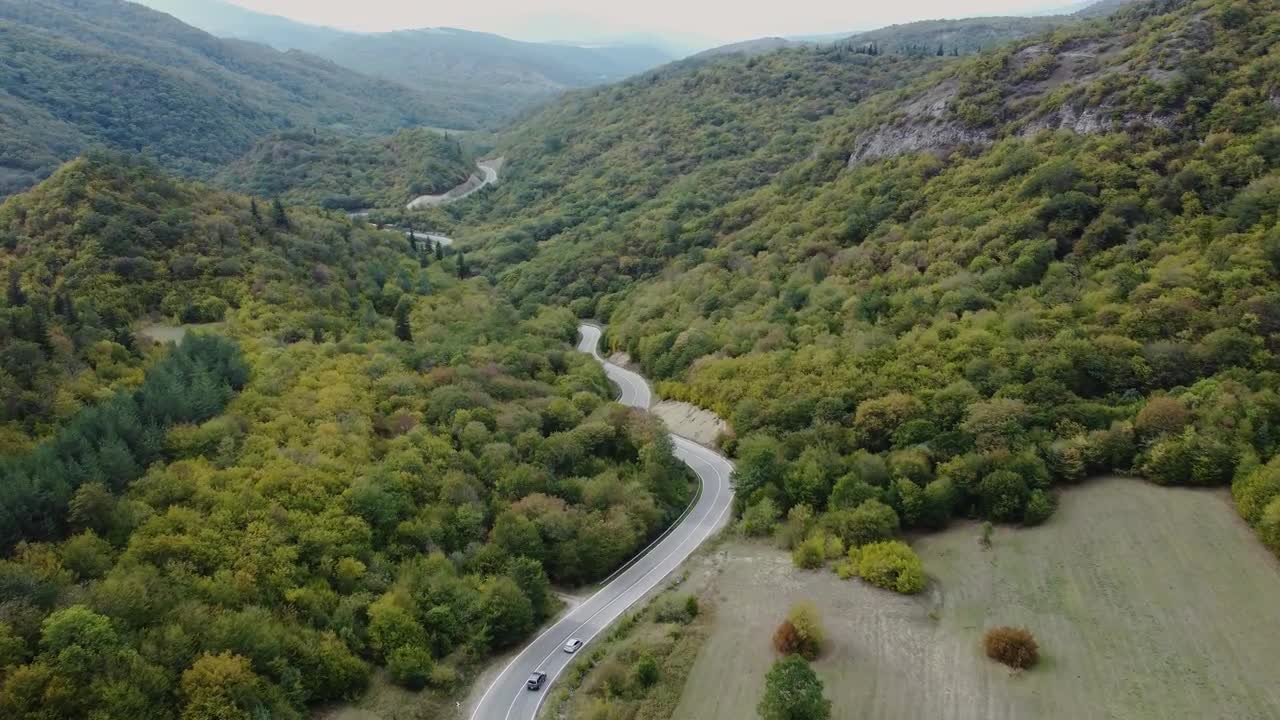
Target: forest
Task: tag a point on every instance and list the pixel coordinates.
(336, 172)
(372, 464)
(951, 333)
(109, 73)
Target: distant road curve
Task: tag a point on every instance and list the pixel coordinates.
(489, 170)
(506, 697)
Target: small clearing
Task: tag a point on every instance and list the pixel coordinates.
(1148, 602)
(162, 333)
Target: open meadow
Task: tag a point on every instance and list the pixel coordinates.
(1148, 602)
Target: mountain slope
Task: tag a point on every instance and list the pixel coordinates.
(117, 74)
(333, 171)
(486, 79)
(1060, 259)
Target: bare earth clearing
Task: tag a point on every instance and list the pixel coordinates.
(1148, 602)
(691, 421)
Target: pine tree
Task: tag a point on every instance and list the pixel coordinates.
(253, 211)
(404, 330)
(279, 217)
(439, 250)
(15, 296)
(462, 266)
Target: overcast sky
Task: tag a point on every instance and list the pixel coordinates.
(721, 20)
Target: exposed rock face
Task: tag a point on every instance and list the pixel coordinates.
(911, 137)
(1091, 121)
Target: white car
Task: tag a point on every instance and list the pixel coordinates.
(573, 645)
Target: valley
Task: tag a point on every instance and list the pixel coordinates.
(924, 371)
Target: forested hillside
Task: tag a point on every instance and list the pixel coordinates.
(373, 464)
(333, 171)
(1048, 261)
(112, 73)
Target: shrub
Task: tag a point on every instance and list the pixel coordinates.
(785, 638)
(442, 677)
(870, 522)
(1015, 647)
(760, 519)
(807, 623)
(891, 565)
(680, 609)
(410, 666)
(810, 554)
(1040, 505)
(792, 691)
(646, 671)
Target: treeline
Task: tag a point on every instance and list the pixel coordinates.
(109, 445)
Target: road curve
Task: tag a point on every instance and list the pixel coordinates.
(506, 698)
(488, 176)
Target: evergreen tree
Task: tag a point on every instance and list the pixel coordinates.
(253, 211)
(279, 217)
(15, 296)
(439, 250)
(404, 330)
(462, 266)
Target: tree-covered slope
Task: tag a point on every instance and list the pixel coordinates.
(116, 74)
(953, 327)
(374, 463)
(334, 171)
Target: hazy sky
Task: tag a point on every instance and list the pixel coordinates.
(722, 20)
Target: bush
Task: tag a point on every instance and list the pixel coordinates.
(872, 521)
(807, 623)
(442, 677)
(760, 519)
(786, 640)
(1015, 647)
(811, 554)
(680, 609)
(1039, 507)
(792, 691)
(410, 666)
(646, 671)
(891, 565)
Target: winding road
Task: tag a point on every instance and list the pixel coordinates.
(506, 698)
(488, 176)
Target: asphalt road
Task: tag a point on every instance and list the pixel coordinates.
(488, 175)
(506, 698)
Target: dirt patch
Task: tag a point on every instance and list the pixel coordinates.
(690, 421)
(1148, 602)
(161, 333)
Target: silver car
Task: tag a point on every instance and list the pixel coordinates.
(573, 645)
(536, 680)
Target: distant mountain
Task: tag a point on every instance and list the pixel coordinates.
(80, 73)
(964, 36)
(759, 46)
(486, 78)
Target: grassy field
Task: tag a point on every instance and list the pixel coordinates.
(1148, 602)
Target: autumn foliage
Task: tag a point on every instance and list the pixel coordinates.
(1015, 647)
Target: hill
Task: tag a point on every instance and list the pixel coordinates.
(116, 74)
(372, 463)
(1049, 260)
(486, 79)
(334, 171)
